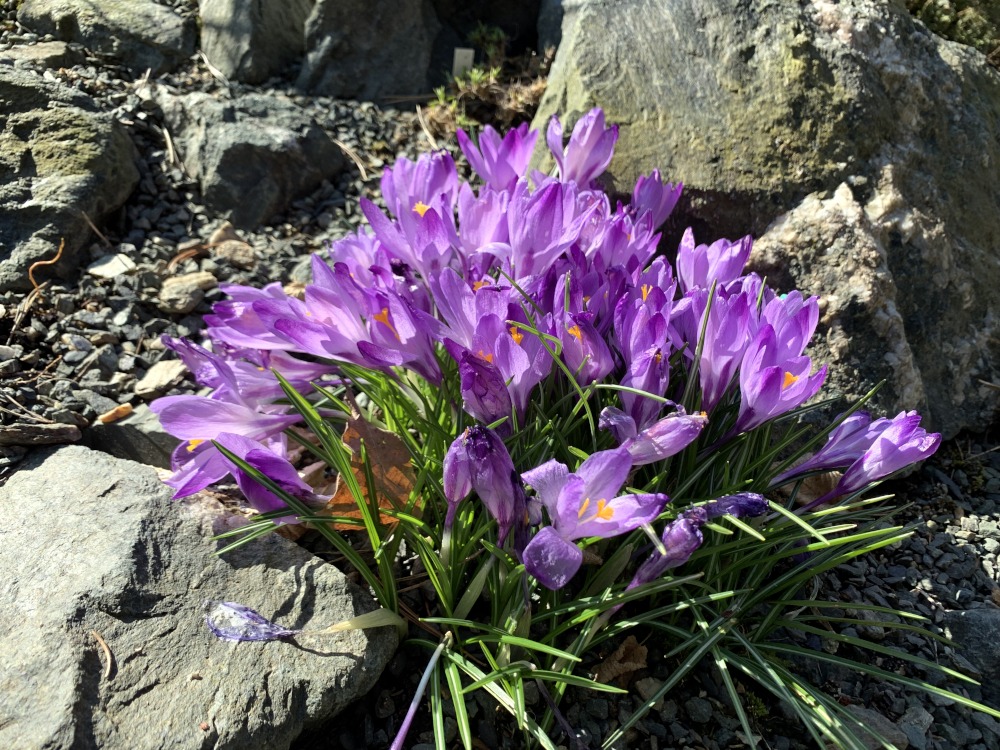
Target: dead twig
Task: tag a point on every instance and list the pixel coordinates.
(353, 156)
(422, 119)
(27, 302)
(96, 231)
(216, 73)
(36, 264)
(109, 659)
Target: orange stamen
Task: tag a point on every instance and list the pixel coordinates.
(516, 335)
(476, 286)
(192, 444)
(604, 511)
(485, 355)
(583, 507)
(383, 317)
(576, 333)
(646, 289)
(789, 379)
(421, 208)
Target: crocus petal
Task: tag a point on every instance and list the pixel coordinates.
(237, 622)
(618, 515)
(547, 481)
(605, 472)
(551, 559)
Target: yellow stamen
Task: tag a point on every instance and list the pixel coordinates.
(646, 289)
(575, 332)
(583, 507)
(586, 300)
(516, 335)
(480, 284)
(192, 444)
(421, 208)
(484, 355)
(789, 379)
(658, 357)
(604, 511)
(383, 317)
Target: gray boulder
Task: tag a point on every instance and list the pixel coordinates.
(141, 33)
(61, 161)
(251, 155)
(757, 106)
(251, 42)
(92, 549)
(369, 49)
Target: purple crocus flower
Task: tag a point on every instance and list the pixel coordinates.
(579, 505)
(499, 161)
(589, 150)
(478, 460)
(274, 467)
(197, 420)
(845, 444)
(237, 622)
(680, 538)
(584, 350)
(484, 392)
(663, 439)
(653, 195)
(727, 334)
(898, 444)
(721, 262)
(771, 386)
(683, 535)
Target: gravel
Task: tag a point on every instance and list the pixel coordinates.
(90, 344)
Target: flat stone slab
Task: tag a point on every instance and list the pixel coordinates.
(94, 552)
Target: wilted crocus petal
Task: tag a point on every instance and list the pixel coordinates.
(236, 622)
(740, 505)
(680, 539)
(621, 425)
(666, 437)
(552, 559)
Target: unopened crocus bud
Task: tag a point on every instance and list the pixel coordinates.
(739, 505)
(478, 460)
(666, 437)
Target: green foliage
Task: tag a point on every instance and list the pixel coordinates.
(972, 22)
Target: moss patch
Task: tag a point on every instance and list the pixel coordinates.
(972, 22)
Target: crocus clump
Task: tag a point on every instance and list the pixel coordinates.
(553, 364)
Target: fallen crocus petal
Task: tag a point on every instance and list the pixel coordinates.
(236, 622)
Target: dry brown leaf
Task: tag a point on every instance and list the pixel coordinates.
(391, 471)
(628, 659)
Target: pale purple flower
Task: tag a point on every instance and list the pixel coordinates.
(584, 350)
(579, 505)
(845, 444)
(664, 438)
(499, 161)
(653, 195)
(720, 262)
(770, 385)
(727, 335)
(896, 445)
(589, 150)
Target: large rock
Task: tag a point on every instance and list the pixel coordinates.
(369, 49)
(976, 634)
(92, 546)
(759, 105)
(251, 42)
(141, 33)
(61, 162)
(252, 155)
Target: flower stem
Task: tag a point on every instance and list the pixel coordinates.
(397, 744)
